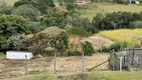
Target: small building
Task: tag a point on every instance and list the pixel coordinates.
(18, 55)
(83, 1)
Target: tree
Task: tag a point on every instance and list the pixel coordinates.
(115, 20)
(6, 10)
(27, 11)
(79, 31)
(11, 25)
(70, 4)
(18, 41)
(56, 17)
(41, 5)
(53, 37)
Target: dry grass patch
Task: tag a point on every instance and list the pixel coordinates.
(129, 35)
(16, 68)
(10, 2)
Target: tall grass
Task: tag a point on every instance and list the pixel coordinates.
(128, 35)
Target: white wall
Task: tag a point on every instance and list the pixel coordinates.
(18, 55)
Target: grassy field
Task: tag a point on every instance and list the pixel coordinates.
(128, 35)
(108, 8)
(106, 75)
(115, 75)
(10, 2)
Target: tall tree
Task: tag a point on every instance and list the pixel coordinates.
(11, 25)
(41, 5)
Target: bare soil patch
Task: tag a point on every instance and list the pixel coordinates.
(98, 41)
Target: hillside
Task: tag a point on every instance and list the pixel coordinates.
(10, 2)
(98, 41)
(108, 8)
(123, 35)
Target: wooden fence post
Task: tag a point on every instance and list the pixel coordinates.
(137, 60)
(133, 57)
(82, 62)
(26, 65)
(121, 64)
(54, 62)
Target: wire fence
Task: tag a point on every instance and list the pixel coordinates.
(46, 65)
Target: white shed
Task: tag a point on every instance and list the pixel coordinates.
(18, 55)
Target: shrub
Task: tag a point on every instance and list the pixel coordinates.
(84, 23)
(74, 53)
(88, 48)
(79, 31)
(117, 46)
(36, 27)
(51, 37)
(18, 41)
(41, 5)
(70, 4)
(136, 24)
(6, 10)
(56, 17)
(11, 25)
(27, 11)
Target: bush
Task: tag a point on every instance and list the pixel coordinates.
(27, 11)
(53, 37)
(41, 5)
(136, 24)
(79, 31)
(88, 48)
(117, 46)
(56, 17)
(36, 27)
(84, 23)
(11, 25)
(6, 10)
(72, 53)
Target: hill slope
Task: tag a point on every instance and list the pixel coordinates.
(108, 8)
(128, 35)
(10, 2)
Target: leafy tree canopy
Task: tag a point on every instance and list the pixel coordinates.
(41, 5)
(12, 25)
(27, 11)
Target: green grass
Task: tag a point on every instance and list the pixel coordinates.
(38, 77)
(107, 75)
(129, 35)
(10, 2)
(108, 8)
(116, 75)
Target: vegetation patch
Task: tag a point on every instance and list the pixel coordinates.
(129, 35)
